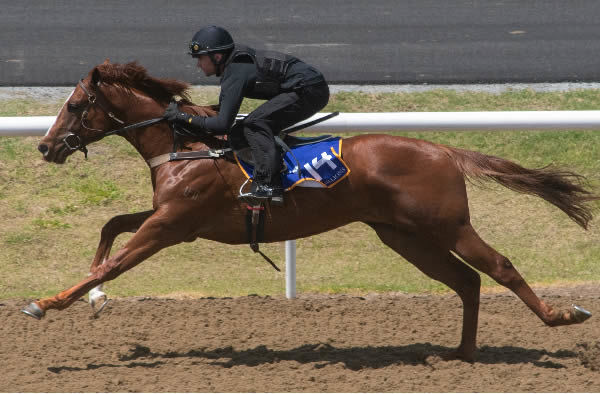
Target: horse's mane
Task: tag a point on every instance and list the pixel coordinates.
(134, 76)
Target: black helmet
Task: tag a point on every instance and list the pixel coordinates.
(209, 40)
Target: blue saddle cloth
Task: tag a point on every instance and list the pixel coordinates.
(321, 165)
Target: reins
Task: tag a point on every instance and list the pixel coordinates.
(74, 142)
(138, 125)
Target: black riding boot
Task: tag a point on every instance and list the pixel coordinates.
(267, 187)
(263, 191)
(267, 162)
(277, 189)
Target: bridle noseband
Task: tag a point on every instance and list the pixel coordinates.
(74, 142)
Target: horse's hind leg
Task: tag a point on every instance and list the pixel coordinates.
(115, 226)
(480, 255)
(439, 264)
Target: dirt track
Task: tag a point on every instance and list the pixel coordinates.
(379, 343)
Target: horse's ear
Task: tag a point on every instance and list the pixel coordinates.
(106, 61)
(95, 76)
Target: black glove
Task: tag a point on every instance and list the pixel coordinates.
(172, 114)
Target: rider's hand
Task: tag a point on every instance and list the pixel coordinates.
(172, 113)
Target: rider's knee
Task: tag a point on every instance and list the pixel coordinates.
(255, 125)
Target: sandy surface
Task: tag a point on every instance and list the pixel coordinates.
(385, 342)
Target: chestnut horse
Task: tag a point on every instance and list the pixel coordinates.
(411, 192)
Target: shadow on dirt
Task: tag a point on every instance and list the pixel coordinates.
(355, 358)
(90, 367)
(519, 355)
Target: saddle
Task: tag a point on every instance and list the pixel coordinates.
(308, 162)
(284, 145)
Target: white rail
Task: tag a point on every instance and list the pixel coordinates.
(17, 126)
(382, 121)
(390, 121)
(496, 120)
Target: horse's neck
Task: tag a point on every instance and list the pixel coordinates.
(157, 140)
(151, 141)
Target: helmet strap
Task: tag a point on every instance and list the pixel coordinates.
(217, 63)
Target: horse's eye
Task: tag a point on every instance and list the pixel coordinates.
(73, 107)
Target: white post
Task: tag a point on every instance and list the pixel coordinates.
(290, 269)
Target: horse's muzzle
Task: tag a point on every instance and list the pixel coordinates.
(43, 148)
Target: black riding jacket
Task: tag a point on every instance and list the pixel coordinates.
(242, 77)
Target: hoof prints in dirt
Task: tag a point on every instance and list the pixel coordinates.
(589, 354)
(379, 343)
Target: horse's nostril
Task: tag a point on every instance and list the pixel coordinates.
(43, 148)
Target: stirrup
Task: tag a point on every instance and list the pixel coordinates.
(248, 197)
(278, 200)
(253, 199)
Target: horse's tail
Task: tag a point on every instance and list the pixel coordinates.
(561, 188)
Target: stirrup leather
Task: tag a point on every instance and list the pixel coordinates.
(255, 228)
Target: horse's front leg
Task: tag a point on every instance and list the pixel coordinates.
(161, 230)
(115, 226)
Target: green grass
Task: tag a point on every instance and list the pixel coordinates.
(52, 215)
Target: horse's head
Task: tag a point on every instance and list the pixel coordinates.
(110, 97)
(84, 118)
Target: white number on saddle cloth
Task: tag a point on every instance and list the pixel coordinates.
(316, 164)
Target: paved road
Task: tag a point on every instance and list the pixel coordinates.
(352, 41)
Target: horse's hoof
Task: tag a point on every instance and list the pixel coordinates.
(580, 315)
(101, 307)
(98, 302)
(34, 311)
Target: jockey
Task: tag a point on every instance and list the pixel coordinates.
(293, 89)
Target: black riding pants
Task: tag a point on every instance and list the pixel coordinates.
(281, 112)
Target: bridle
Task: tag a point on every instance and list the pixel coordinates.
(74, 142)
